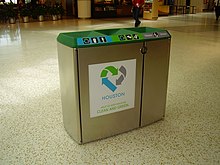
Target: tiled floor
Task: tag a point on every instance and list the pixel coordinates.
(31, 125)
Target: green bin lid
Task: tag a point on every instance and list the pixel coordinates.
(82, 39)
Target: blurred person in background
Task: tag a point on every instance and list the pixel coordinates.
(217, 9)
(136, 7)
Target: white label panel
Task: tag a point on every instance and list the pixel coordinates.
(112, 87)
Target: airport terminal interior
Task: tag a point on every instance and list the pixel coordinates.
(31, 121)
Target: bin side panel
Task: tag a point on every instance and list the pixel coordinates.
(155, 76)
(69, 91)
(94, 128)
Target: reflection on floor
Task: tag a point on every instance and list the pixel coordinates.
(31, 123)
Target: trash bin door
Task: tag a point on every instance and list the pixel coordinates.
(155, 77)
(110, 89)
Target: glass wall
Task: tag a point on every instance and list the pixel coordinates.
(111, 8)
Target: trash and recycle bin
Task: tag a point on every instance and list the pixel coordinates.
(112, 80)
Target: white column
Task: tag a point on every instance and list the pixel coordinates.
(84, 8)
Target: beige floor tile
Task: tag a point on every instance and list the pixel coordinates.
(31, 125)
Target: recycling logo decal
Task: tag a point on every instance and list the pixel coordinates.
(112, 77)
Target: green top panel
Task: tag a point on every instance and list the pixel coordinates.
(82, 39)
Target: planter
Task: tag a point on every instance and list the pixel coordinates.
(54, 17)
(12, 20)
(25, 19)
(59, 16)
(40, 18)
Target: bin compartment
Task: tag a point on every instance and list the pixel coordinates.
(155, 78)
(115, 111)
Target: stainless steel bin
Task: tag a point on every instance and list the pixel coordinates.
(107, 77)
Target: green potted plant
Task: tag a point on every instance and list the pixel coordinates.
(3, 15)
(25, 12)
(11, 12)
(54, 12)
(60, 10)
(39, 12)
